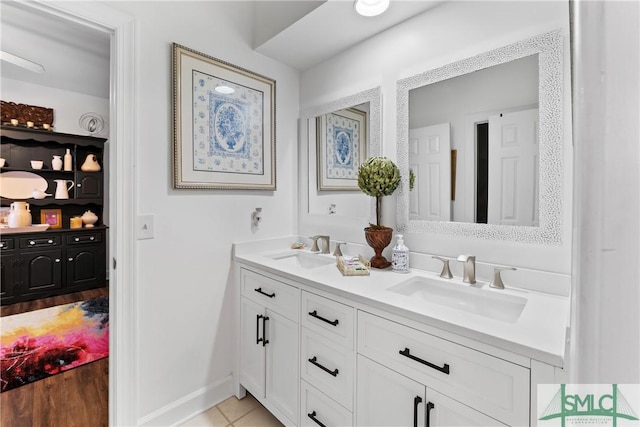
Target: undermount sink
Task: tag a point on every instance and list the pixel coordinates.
(302, 259)
(470, 299)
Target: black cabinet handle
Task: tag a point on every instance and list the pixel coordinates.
(260, 291)
(258, 339)
(406, 353)
(315, 420)
(265, 341)
(430, 406)
(314, 313)
(314, 361)
(416, 401)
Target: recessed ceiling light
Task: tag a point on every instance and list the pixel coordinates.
(370, 7)
(224, 89)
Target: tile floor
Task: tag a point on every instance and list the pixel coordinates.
(235, 413)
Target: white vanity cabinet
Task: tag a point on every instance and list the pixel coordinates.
(269, 342)
(398, 364)
(327, 362)
(315, 357)
(387, 398)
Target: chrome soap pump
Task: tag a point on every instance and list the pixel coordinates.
(400, 256)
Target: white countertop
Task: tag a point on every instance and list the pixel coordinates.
(540, 332)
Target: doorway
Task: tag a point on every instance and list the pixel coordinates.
(121, 194)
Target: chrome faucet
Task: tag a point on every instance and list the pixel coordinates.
(497, 279)
(325, 245)
(469, 268)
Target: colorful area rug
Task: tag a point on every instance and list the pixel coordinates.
(42, 343)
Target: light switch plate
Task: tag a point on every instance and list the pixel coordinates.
(145, 227)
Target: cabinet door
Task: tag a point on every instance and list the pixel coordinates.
(446, 412)
(41, 271)
(386, 398)
(252, 350)
(89, 185)
(282, 374)
(8, 278)
(86, 265)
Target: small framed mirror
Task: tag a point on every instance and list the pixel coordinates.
(339, 136)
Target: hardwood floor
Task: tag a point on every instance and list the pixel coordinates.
(78, 397)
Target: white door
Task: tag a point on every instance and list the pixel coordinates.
(386, 398)
(446, 412)
(252, 352)
(430, 160)
(513, 169)
(282, 374)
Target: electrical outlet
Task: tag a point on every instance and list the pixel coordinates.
(145, 227)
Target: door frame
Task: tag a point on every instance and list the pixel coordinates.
(122, 202)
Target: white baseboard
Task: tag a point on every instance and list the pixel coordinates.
(179, 411)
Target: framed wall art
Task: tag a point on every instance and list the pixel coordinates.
(341, 142)
(224, 124)
(53, 217)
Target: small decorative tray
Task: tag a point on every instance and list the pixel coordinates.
(353, 267)
(35, 227)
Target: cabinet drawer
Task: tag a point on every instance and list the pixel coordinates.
(82, 238)
(490, 385)
(328, 318)
(328, 367)
(317, 408)
(40, 241)
(6, 244)
(273, 294)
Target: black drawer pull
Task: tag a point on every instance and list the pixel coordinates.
(430, 406)
(314, 313)
(258, 339)
(315, 420)
(444, 368)
(314, 361)
(416, 401)
(260, 291)
(265, 341)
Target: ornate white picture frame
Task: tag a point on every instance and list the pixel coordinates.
(224, 124)
(341, 143)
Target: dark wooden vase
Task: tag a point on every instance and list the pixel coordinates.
(378, 239)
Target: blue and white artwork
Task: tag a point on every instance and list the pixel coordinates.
(227, 128)
(343, 141)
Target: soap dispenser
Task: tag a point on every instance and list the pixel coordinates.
(400, 256)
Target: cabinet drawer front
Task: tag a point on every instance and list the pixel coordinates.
(490, 385)
(83, 238)
(317, 408)
(328, 367)
(40, 241)
(6, 244)
(271, 293)
(328, 318)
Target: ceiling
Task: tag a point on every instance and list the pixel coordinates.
(298, 33)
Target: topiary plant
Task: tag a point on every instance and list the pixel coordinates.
(377, 177)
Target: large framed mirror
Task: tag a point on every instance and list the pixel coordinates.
(337, 137)
(480, 145)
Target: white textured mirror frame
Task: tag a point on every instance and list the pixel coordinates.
(549, 47)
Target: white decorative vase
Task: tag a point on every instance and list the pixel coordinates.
(56, 163)
(20, 215)
(89, 218)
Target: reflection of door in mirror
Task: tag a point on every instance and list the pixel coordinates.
(513, 169)
(465, 101)
(430, 161)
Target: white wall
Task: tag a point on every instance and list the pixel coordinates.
(449, 32)
(606, 338)
(186, 310)
(67, 106)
